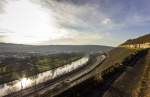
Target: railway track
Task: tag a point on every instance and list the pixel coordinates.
(52, 84)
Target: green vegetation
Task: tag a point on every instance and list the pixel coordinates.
(45, 63)
(2, 68)
(15, 68)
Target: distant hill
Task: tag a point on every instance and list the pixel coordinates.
(51, 49)
(139, 40)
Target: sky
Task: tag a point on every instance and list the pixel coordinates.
(73, 22)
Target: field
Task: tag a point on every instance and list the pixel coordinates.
(13, 67)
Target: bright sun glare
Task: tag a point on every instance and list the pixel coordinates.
(28, 22)
(25, 82)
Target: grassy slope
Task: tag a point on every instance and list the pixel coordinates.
(145, 87)
(116, 56)
(93, 87)
(130, 83)
(141, 39)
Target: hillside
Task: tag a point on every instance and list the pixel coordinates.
(134, 80)
(50, 49)
(131, 79)
(139, 40)
(128, 75)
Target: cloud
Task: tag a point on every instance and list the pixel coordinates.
(29, 22)
(73, 21)
(55, 22)
(106, 21)
(74, 39)
(2, 38)
(52, 21)
(2, 3)
(74, 15)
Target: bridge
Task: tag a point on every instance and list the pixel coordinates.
(59, 84)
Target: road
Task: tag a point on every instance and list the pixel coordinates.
(56, 83)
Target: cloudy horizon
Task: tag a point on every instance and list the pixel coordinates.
(73, 22)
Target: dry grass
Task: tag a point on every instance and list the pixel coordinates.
(129, 84)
